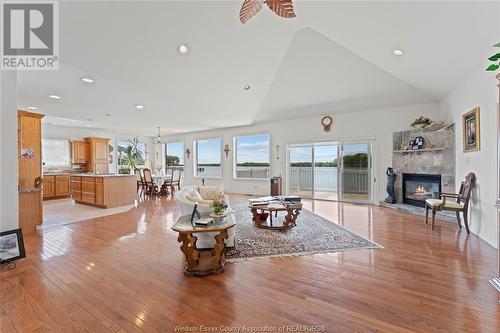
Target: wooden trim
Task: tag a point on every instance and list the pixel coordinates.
(29, 114)
(95, 138)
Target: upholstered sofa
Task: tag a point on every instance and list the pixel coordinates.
(190, 195)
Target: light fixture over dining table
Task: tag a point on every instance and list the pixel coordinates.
(250, 8)
(158, 139)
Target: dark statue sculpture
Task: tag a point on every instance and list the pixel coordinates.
(391, 179)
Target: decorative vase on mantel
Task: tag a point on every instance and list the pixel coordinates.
(391, 179)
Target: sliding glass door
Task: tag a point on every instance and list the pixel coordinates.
(338, 171)
(326, 172)
(355, 172)
(300, 171)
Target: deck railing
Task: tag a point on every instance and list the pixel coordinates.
(354, 180)
(253, 173)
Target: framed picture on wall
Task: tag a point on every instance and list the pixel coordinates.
(11, 245)
(471, 132)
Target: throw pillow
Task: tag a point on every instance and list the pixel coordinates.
(200, 201)
(209, 192)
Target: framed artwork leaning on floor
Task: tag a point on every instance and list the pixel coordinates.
(11, 245)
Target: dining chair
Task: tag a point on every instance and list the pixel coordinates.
(140, 180)
(169, 180)
(459, 205)
(174, 181)
(151, 187)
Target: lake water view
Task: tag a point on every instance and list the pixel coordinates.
(355, 180)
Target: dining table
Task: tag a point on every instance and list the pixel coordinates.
(160, 180)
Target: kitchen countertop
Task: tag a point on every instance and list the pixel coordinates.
(58, 174)
(30, 190)
(100, 175)
(86, 174)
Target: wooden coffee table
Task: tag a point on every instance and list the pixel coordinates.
(203, 262)
(292, 208)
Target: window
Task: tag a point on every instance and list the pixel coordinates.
(56, 153)
(252, 156)
(131, 155)
(208, 158)
(174, 154)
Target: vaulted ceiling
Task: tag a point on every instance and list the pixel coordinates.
(333, 57)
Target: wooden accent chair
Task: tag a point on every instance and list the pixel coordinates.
(460, 204)
(150, 186)
(140, 180)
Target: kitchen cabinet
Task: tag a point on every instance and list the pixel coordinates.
(56, 186)
(99, 191)
(88, 190)
(76, 188)
(97, 155)
(78, 152)
(62, 186)
(48, 187)
(104, 191)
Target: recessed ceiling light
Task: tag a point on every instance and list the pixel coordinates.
(398, 52)
(32, 108)
(108, 114)
(247, 87)
(139, 106)
(88, 125)
(87, 80)
(54, 96)
(182, 49)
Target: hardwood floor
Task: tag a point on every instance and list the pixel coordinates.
(123, 273)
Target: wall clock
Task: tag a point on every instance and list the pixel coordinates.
(327, 122)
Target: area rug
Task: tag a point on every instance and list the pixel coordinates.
(312, 234)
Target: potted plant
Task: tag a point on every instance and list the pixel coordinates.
(219, 205)
(495, 59)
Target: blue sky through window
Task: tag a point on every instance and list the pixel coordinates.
(253, 148)
(209, 151)
(176, 149)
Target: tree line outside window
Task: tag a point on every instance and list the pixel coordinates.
(252, 156)
(131, 155)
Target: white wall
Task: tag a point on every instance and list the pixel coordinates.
(9, 218)
(480, 89)
(378, 124)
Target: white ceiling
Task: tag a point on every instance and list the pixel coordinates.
(334, 57)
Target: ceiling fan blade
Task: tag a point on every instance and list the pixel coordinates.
(283, 8)
(249, 9)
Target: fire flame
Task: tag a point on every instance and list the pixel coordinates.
(420, 190)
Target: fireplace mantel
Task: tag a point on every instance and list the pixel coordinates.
(437, 156)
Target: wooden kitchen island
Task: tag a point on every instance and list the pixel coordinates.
(105, 191)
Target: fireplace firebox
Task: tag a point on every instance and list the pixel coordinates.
(418, 187)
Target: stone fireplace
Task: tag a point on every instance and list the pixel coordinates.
(419, 187)
(427, 170)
